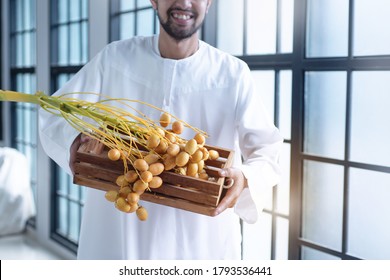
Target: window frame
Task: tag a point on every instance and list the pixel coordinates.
(302, 64)
(296, 61)
(56, 69)
(276, 62)
(116, 13)
(14, 71)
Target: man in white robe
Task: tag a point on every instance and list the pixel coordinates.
(205, 87)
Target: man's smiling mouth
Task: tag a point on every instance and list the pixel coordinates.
(181, 15)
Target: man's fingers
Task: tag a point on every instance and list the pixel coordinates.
(84, 138)
(234, 182)
(226, 202)
(225, 172)
(229, 182)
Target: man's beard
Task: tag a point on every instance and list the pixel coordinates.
(177, 33)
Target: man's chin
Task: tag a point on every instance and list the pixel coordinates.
(180, 34)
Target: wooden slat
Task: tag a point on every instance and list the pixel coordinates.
(179, 203)
(94, 183)
(150, 196)
(93, 146)
(186, 181)
(101, 160)
(189, 194)
(94, 169)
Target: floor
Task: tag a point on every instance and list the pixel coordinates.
(21, 247)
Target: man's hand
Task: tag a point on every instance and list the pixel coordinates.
(81, 138)
(239, 182)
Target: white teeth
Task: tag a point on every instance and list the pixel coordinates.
(180, 16)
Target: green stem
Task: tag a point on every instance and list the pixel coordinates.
(56, 104)
(13, 96)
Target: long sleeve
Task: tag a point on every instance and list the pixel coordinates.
(56, 135)
(260, 143)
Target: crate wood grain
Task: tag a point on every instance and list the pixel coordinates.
(94, 169)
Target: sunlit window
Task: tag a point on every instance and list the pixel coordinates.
(132, 17)
(264, 29)
(322, 68)
(69, 52)
(345, 105)
(23, 79)
(259, 26)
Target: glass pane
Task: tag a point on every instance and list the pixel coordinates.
(75, 44)
(18, 60)
(27, 125)
(127, 5)
(84, 42)
(370, 117)
(63, 45)
(62, 224)
(143, 3)
(368, 214)
(281, 242)
(265, 84)
(75, 10)
(18, 15)
(27, 85)
(74, 221)
(145, 22)
(19, 124)
(62, 11)
(261, 26)
(257, 239)
(157, 25)
(312, 254)
(231, 32)
(61, 80)
(285, 103)
(27, 49)
(371, 22)
(126, 25)
(287, 26)
(62, 182)
(323, 203)
(325, 111)
(74, 190)
(84, 9)
(27, 14)
(31, 52)
(83, 194)
(283, 189)
(327, 28)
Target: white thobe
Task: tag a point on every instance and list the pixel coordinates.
(210, 90)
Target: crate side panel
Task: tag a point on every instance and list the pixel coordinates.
(178, 203)
(188, 194)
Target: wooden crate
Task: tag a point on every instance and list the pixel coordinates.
(94, 169)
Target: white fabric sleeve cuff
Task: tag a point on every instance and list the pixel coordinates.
(252, 200)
